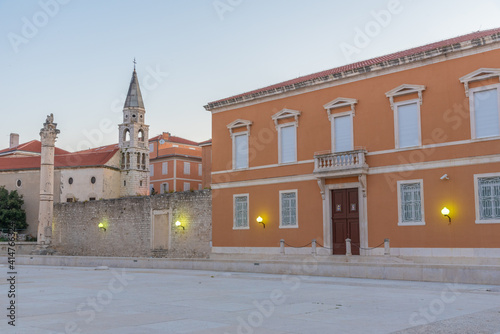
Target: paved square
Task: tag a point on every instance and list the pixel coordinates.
(120, 301)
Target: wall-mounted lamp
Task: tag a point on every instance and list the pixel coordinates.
(446, 212)
(101, 226)
(179, 224)
(260, 221)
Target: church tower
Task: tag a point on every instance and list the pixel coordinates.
(133, 143)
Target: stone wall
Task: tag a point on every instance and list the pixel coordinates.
(136, 226)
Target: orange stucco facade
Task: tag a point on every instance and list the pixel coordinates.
(446, 146)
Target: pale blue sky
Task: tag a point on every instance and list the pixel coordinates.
(77, 64)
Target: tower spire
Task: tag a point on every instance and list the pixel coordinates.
(134, 64)
(134, 96)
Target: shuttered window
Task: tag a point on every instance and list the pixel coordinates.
(486, 113)
(164, 168)
(489, 198)
(342, 129)
(411, 204)
(288, 142)
(241, 151)
(241, 211)
(288, 209)
(408, 125)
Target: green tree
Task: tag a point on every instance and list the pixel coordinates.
(11, 211)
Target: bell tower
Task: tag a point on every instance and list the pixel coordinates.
(133, 143)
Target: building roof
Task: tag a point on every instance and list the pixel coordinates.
(134, 96)
(173, 139)
(78, 159)
(414, 54)
(34, 146)
(178, 152)
(205, 143)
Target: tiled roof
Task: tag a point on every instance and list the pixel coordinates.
(361, 67)
(78, 159)
(179, 151)
(206, 142)
(34, 146)
(174, 139)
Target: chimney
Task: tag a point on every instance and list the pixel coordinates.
(14, 140)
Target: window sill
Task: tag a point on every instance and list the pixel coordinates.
(287, 163)
(489, 221)
(409, 148)
(241, 228)
(485, 139)
(411, 224)
(296, 226)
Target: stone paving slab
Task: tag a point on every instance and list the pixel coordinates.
(54, 300)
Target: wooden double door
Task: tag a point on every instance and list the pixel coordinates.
(345, 220)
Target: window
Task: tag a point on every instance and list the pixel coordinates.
(151, 147)
(342, 132)
(200, 170)
(70, 200)
(151, 188)
(91, 198)
(187, 168)
(487, 195)
(164, 168)
(410, 203)
(288, 209)
(200, 186)
(407, 124)
(151, 170)
(240, 211)
(288, 143)
(93, 180)
(485, 121)
(70, 180)
(19, 183)
(187, 186)
(240, 151)
(164, 188)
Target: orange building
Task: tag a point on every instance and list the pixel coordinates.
(206, 160)
(366, 151)
(175, 164)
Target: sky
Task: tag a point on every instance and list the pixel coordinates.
(74, 58)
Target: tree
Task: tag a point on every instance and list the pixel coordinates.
(11, 212)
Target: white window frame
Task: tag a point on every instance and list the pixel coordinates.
(187, 168)
(332, 124)
(162, 188)
(151, 170)
(187, 185)
(200, 170)
(164, 168)
(400, 220)
(248, 212)
(233, 137)
(279, 128)
(296, 208)
(476, 198)
(473, 111)
(396, 123)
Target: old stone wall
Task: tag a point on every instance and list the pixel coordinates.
(136, 226)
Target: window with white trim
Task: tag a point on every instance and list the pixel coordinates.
(164, 188)
(240, 211)
(151, 147)
(287, 143)
(485, 113)
(342, 132)
(187, 168)
(411, 202)
(151, 170)
(164, 168)
(487, 195)
(240, 151)
(288, 209)
(407, 124)
(187, 186)
(200, 170)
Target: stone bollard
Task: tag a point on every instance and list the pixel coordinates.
(282, 246)
(313, 245)
(387, 249)
(348, 247)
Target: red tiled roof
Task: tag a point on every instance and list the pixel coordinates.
(366, 63)
(34, 146)
(206, 142)
(107, 148)
(60, 161)
(182, 151)
(174, 139)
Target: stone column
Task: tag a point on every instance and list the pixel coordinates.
(48, 135)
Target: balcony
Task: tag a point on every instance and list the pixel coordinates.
(340, 163)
